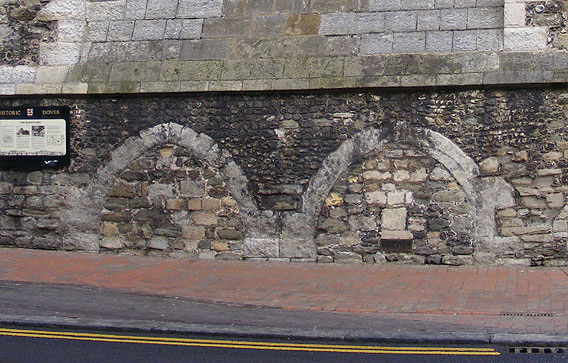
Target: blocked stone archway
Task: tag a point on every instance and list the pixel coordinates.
(87, 204)
(485, 195)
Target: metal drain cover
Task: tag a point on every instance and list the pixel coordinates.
(538, 350)
(530, 315)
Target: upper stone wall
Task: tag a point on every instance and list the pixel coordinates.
(131, 46)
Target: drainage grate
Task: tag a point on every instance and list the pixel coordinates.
(530, 315)
(538, 350)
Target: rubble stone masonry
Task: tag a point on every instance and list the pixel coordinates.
(446, 176)
(336, 131)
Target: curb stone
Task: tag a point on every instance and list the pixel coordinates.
(150, 326)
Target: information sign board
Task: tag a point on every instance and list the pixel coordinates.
(34, 137)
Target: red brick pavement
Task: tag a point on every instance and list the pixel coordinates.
(473, 295)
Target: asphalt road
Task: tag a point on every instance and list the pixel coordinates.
(43, 345)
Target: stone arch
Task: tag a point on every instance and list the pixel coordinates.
(485, 195)
(84, 217)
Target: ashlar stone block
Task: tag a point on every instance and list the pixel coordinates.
(413, 42)
(135, 9)
(521, 39)
(196, 9)
(149, 30)
(376, 44)
(384, 5)
(159, 9)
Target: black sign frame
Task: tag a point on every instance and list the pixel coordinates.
(37, 162)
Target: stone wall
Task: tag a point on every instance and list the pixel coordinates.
(147, 46)
(445, 176)
(21, 32)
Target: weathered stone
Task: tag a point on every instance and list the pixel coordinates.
(297, 248)
(331, 225)
(457, 260)
(229, 234)
(373, 175)
(194, 204)
(534, 202)
(193, 232)
(158, 243)
(204, 218)
(401, 175)
(440, 174)
(362, 223)
(109, 229)
(334, 200)
(396, 235)
(376, 197)
(325, 259)
(490, 166)
(260, 247)
(302, 24)
(393, 219)
(395, 198)
(455, 196)
(161, 190)
(168, 232)
(175, 204)
(5, 188)
(111, 243)
(548, 172)
(337, 212)
(211, 204)
(219, 246)
(538, 237)
(555, 200)
(192, 189)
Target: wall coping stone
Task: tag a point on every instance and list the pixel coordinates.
(307, 73)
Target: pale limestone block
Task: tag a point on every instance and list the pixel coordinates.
(490, 166)
(120, 30)
(376, 197)
(514, 14)
(173, 29)
(24, 74)
(75, 88)
(401, 175)
(393, 219)
(135, 9)
(191, 29)
(396, 235)
(260, 247)
(160, 9)
(63, 9)
(520, 39)
(71, 30)
(56, 54)
(6, 74)
(7, 89)
(149, 30)
(373, 175)
(106, 10)
(52, 75)
(34, 89)
(395, 198)
(199, 8)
